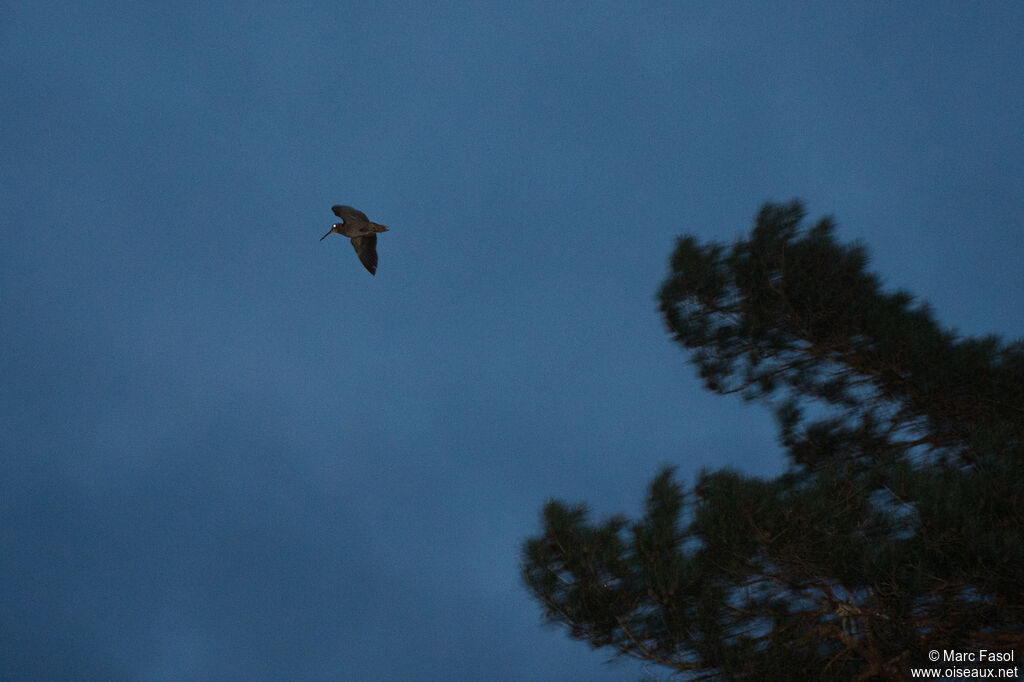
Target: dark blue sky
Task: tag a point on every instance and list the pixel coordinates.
(231, 453)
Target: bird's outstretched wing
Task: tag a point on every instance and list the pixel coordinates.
(347, 213)
(366, 249)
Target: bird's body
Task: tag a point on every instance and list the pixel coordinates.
(363, 233)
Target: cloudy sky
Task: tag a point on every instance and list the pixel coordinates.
(228, 452)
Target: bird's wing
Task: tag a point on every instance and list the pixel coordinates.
(366, 249)
(347, 213)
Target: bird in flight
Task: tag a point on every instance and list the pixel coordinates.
(357, 227)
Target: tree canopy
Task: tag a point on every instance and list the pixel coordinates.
(898, 527)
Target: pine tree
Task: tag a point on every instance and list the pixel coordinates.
(899, 525)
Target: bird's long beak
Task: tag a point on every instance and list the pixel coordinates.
(325, 236)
